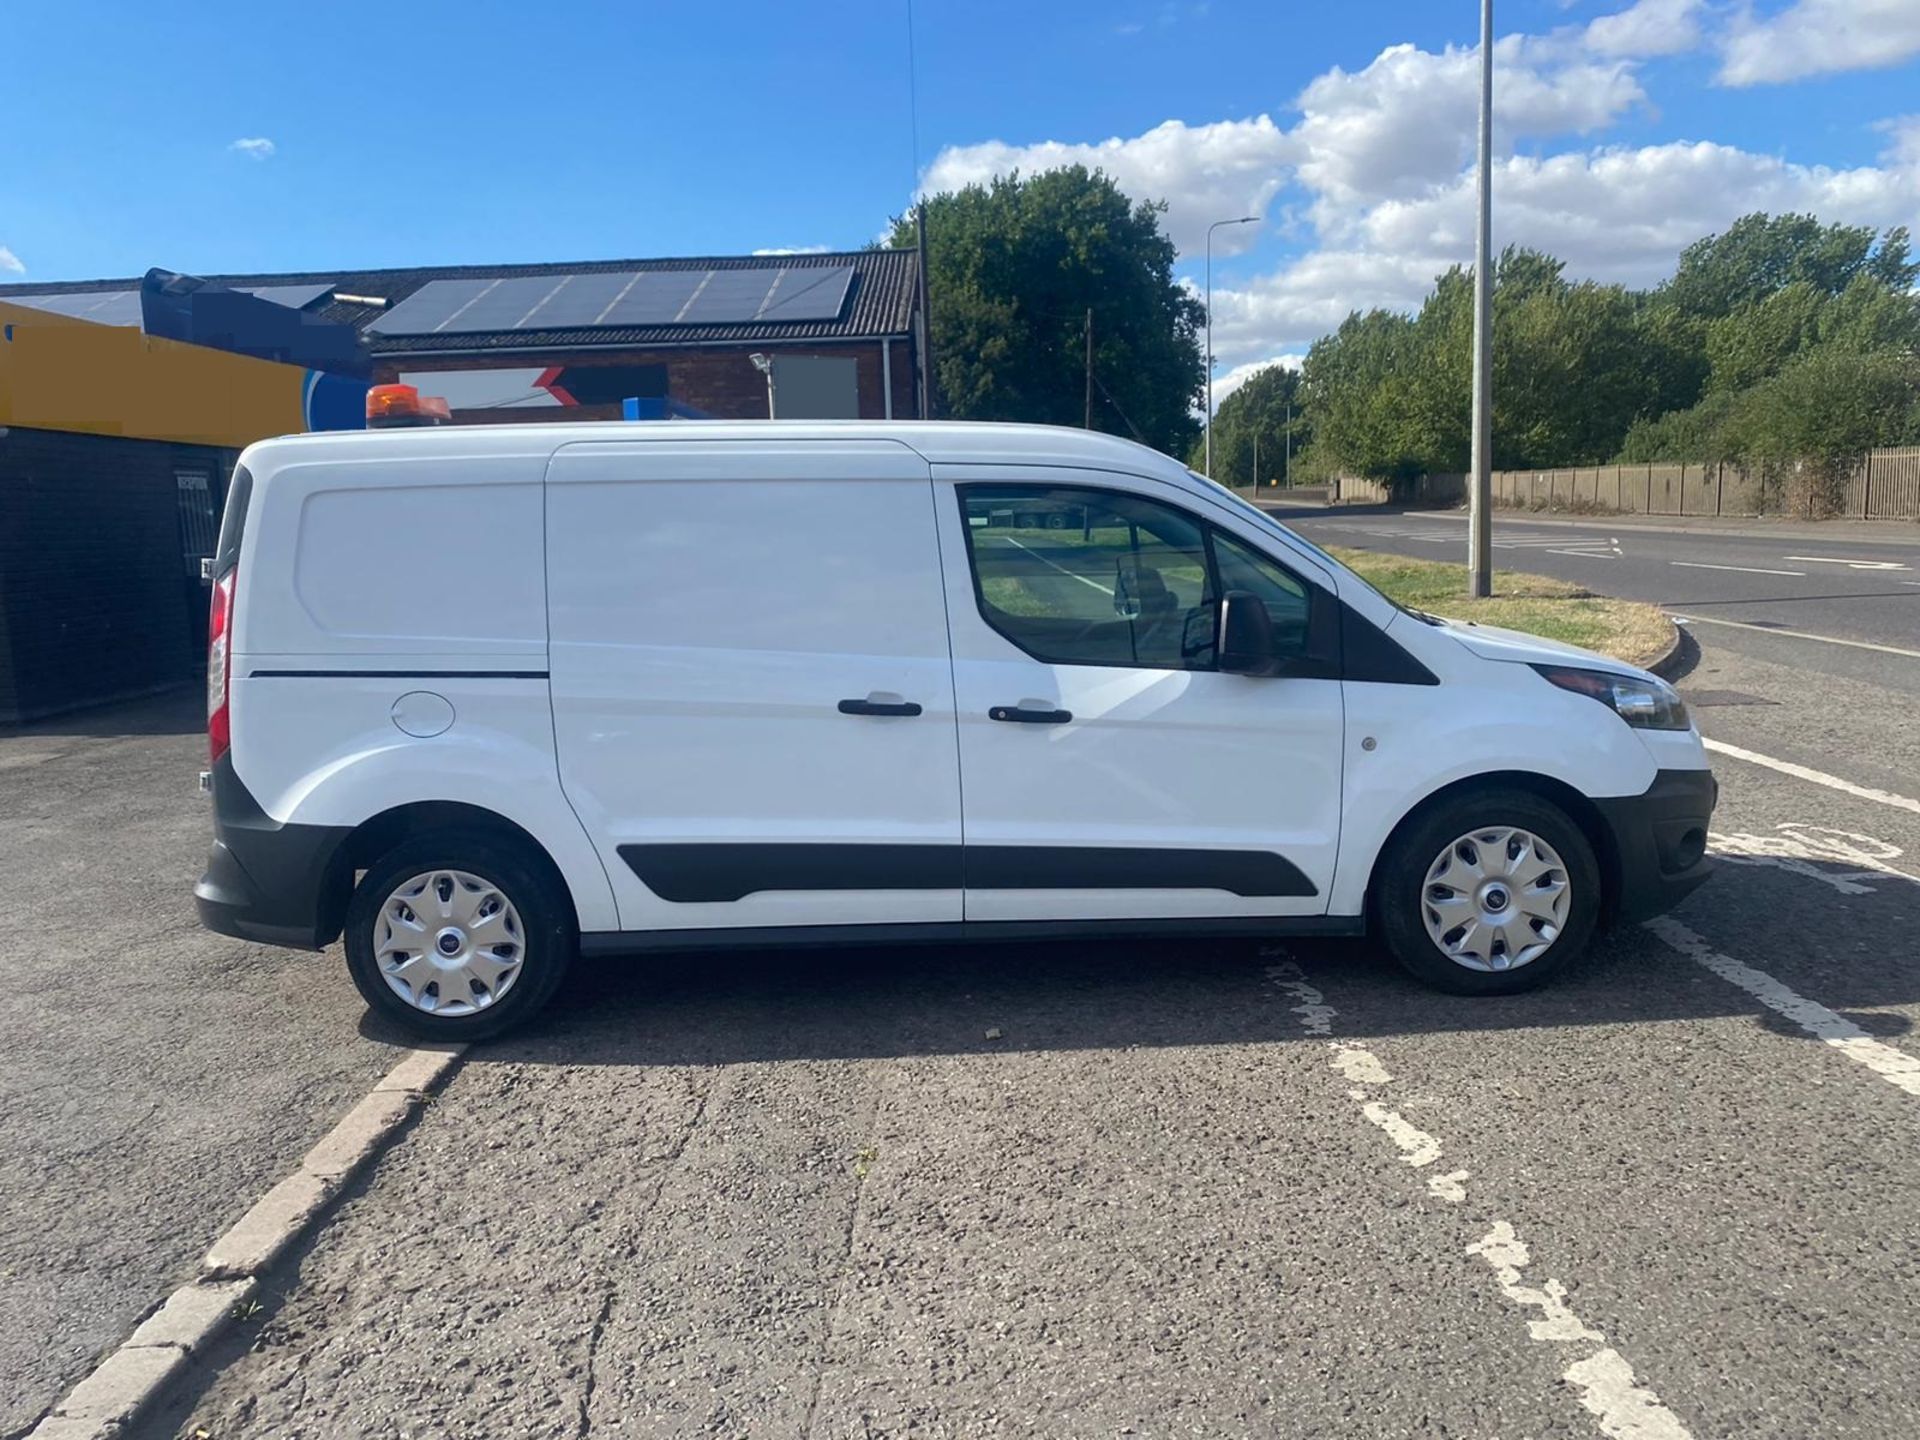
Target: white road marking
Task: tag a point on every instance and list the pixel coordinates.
(1061, 568)
(1797, 845)
(1590, 554)
(1602, 1380)
(1896, 1067)
(1743, 569)
(1850, 564)
(1817, 777)
(1797, 635)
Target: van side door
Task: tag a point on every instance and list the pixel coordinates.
(752, 691)
(1112, 768)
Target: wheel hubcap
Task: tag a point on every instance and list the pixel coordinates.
(448, 942)
(1496, 899)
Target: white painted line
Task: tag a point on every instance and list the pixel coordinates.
(1590, 554)
(1817, 777)
(1104, 590)
(1743, 569)
(1602, 1381)
(1797, 635)
(1896, 1067)
(1850, 564)
(123, 1385)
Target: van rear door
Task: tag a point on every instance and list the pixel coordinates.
(752, 690)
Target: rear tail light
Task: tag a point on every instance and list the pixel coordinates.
(220, 666)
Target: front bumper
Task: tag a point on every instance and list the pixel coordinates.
(1659, 842)
(266, 881)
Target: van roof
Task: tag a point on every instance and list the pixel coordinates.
(938, 441)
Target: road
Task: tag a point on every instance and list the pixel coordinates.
(1200, 1188)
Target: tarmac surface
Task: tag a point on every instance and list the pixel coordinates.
(1205, 1188)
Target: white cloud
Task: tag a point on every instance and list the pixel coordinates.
(794, 250)
(10, 262)
(1648, 27)
(1203, 172)
(254, 147)
(1225, 385)
(1820, 37)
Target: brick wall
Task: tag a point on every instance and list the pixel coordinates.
(95, 604)
(721, 381)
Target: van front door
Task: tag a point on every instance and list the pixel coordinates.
(1111, 769)
(752, 692)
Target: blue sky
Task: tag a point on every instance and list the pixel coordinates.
(439, 133)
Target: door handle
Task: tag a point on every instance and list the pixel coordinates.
(1022, 715)
(879, 707)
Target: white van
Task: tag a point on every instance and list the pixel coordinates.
(484, 697)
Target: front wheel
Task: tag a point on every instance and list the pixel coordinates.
(457, 936)
(1488, 893)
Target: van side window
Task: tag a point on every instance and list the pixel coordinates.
(1284, 596)
(1091, 577)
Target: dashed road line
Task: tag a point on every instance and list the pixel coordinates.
(1896, 1067)
(1798, 635)
(1602, 1380)
(1850, 564)
(1743, 569)
(1817, 777)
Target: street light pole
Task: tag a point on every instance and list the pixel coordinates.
(1480, 503)
(1242, 220)
(1286, 469)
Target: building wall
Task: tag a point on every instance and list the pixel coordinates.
(717, 381)
(95, 600)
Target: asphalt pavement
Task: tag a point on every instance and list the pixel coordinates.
(1201, 1188)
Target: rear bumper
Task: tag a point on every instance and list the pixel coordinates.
(268, 882)
(1660, 842)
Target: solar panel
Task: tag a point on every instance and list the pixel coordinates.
(294, 297)
(619, 300)
(430, 308)
(656, 297)
(730, 297)
(808, 293)
(577, 304)
(103, 307)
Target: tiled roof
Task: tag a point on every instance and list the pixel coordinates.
(879, 302)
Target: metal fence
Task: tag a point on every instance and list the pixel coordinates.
(1884, 486)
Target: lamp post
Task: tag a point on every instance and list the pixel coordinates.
(765, 366)
(1241, 220)
(1480, 497)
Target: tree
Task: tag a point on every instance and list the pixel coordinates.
(1013, 268)
(1256, 427)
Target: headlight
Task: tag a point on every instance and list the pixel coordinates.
(1646, 704)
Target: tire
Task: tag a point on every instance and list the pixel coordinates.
(540, 945)
(1416, 906)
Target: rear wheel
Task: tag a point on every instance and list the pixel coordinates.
(457, 936)
(1488, 893)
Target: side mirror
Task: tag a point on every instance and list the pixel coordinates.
(1244, 644)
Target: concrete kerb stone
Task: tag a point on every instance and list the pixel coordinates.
(1669, 662)
(123, 1385)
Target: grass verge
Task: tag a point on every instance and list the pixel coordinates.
(1558, 609)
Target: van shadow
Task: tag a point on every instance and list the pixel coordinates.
(907, 1001)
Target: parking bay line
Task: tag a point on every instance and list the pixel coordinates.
(1797, 635)
(1817, 777)
(1600, 1376)
(117, 1391)
(1896, 1067)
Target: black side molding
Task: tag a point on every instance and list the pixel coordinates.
(608, 943)
(726, 871)
(396, 675)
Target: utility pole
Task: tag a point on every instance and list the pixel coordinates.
(1256, 461)
(1286, 469)
(1089, 419)
(923, 324)
(1480, 500)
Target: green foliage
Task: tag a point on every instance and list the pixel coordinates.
(1252, 433)
(1013, 269)
(1782, 337)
